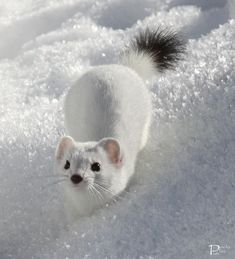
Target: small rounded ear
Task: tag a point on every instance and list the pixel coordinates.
(112, 148)
(64, 144)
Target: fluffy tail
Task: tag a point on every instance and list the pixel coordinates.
(152, 51)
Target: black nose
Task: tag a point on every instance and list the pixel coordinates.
(76, 178)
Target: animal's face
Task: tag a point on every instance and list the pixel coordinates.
(89, 167)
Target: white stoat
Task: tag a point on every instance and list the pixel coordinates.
(108, 115)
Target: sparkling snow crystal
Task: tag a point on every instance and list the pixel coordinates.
(181, 200)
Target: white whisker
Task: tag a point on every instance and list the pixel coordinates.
(98, 193)
(95, 195)
(111, 193)
(53, 183)
(102, 188)
(51, 176)
(91, 192)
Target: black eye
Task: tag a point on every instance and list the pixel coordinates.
(95, 167)
(67, 165)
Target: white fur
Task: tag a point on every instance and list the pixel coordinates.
(110, 101)
(141, 62)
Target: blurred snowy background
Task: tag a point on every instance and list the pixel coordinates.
(183, 198)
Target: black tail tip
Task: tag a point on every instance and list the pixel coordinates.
(165, 46)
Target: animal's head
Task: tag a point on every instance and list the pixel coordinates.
(90, 167)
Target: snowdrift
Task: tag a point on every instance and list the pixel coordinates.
(182, 197)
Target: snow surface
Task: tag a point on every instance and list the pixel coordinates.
(182, 198)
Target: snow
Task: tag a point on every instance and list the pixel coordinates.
(182, 198)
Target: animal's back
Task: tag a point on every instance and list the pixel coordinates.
(108, 101)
